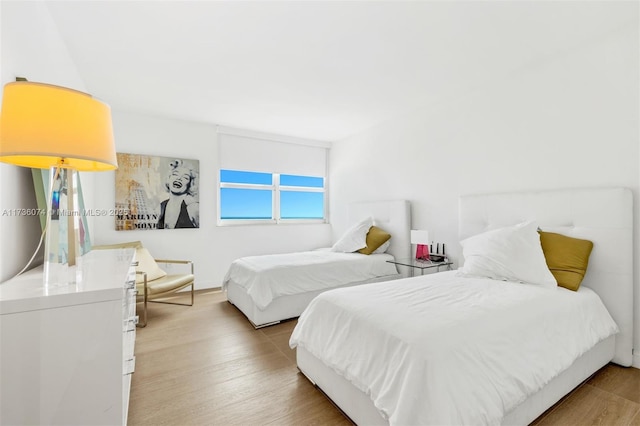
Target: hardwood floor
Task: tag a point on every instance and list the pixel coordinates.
(206, 365)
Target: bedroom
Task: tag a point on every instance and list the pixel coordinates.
(540, 109)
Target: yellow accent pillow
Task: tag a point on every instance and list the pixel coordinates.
(375, 238)
(147, 264)
(567, 258)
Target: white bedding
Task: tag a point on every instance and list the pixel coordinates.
(444, 349)
(270, 276)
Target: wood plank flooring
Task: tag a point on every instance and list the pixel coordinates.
(206, 365)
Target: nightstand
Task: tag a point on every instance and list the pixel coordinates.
(422, 265)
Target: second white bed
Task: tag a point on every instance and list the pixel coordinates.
(271, 288)
(268, 277)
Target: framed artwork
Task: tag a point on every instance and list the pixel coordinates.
(41, 185)
(156, 193)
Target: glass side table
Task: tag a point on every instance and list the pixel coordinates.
(422, 265)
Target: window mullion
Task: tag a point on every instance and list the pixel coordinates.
(276, 197)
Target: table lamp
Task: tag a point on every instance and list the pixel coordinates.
(421, 239)
(45, 126)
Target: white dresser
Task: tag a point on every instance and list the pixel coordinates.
(66, 355)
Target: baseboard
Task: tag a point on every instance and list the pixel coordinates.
(636, 360)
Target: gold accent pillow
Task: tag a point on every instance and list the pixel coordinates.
(567, 258)
(375, 238)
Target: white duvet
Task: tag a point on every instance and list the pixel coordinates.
(448, 350)
(270, 276)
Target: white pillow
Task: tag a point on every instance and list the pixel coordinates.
(513, 253)
(354, 238)
(383, 248)
(147, 264)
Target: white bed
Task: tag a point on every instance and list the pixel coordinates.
(256, 292)
(603, 216)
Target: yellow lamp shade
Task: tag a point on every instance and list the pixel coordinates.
(42, 125)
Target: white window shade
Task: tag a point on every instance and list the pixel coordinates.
(247, 153)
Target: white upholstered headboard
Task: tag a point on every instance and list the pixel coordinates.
(602, 215)
(392, 216)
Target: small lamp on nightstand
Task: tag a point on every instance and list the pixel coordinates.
(421, 239)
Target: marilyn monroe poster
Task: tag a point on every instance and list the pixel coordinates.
(156, 192)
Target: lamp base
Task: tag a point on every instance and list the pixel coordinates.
(62, 262)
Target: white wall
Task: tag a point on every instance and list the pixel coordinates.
(212, 248)
(31, 48)
(570, 120)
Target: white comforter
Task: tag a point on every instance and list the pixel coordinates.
(447, 350)
(270, 276)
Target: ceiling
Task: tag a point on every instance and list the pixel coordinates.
(314, 69)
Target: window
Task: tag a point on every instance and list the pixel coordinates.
(270, 178)
(256, 197)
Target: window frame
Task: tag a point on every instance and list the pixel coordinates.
(276, 189)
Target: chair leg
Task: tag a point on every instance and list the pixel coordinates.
(144, 306)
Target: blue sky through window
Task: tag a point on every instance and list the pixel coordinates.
(301, 205)
(238, 203)
(307, 181)
(235, 176)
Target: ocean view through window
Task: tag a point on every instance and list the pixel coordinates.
(257, 197)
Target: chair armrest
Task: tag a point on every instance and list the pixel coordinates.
(173, 261)
(182, 262)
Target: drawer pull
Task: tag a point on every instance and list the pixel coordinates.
(129, 366)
